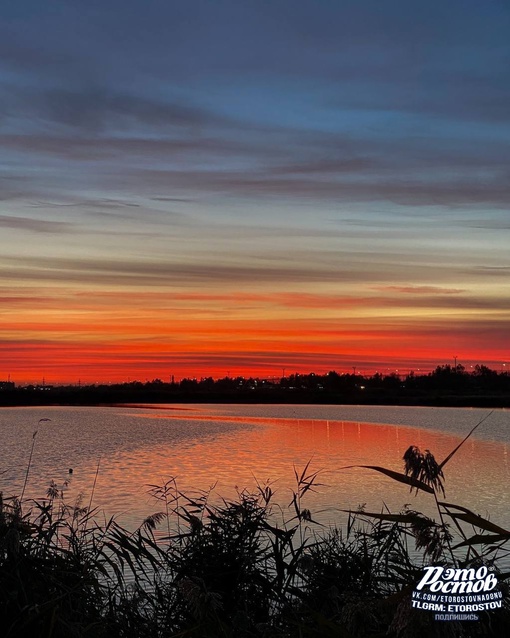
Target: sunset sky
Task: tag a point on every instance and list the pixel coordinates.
(198, 188)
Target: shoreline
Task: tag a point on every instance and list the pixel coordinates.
(445, 401)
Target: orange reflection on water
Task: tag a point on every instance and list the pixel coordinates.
(247, 449)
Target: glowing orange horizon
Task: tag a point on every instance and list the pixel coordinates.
(99, 335)
(121, 362)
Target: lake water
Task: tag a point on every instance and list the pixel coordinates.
(232, 446)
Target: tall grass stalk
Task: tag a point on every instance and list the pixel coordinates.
(29, 464)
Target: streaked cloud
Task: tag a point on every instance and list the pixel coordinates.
(154, 273)
(35, 225)
(423, 290)
(252, 186)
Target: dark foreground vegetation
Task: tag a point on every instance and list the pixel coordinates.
(445, 386)
(243, 568)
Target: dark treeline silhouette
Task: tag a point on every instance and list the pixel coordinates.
(445, 386)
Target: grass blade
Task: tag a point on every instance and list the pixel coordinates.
(441, 465)
(396, 476)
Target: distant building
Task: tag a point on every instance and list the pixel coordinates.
(7, 385)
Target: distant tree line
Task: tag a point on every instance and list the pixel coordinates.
(446, 385)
